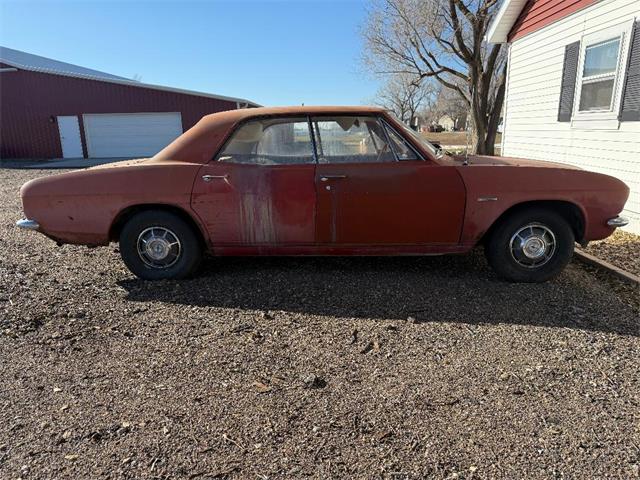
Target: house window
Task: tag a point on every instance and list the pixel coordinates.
(599, 75)
(600, 82)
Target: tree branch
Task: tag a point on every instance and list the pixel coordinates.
(457, 30)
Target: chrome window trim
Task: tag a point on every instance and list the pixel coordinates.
(417, 153)
(378, 118)
(219, 154)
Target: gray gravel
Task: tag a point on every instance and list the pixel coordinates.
(622, 249)
(324, 368)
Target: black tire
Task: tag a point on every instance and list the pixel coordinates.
(509, 264)
(181, 260)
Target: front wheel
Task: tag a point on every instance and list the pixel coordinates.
(532, 245)
(157, 245)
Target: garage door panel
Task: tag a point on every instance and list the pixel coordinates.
(130, 135)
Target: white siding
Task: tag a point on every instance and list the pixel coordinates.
(531, 109)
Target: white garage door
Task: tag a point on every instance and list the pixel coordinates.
(130, 134)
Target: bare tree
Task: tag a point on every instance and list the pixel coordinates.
(404, 95)
(443, 40)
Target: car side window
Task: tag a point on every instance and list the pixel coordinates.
(270, 141)
(400, 146)
(351, 139)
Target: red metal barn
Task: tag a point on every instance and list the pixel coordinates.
(52, 109)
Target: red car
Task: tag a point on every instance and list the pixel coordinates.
(324, 181)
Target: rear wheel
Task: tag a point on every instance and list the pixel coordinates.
(532, 245)
(158, 245)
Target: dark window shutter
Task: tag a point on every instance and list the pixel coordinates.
(630, 104)
(568, 86)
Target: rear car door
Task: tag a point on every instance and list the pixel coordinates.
(260, 189)
(374, 189)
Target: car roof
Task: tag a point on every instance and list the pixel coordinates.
(244, 113)
(198, 143)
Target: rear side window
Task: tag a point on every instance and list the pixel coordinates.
(348, 139)
(270, 141)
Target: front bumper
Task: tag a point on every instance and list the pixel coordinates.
(618, 221)
(27, 224)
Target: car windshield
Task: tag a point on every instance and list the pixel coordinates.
(437, 152)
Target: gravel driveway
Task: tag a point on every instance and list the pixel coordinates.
(323, 368)
(622, 249)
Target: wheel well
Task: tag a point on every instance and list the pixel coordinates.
(569, 211)
(123, 217)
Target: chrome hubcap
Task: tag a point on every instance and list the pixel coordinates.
(159, 247)
(533, 245)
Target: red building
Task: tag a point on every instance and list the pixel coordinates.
(52, 109)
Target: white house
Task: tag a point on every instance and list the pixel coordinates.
(447, 122)
(573, 85)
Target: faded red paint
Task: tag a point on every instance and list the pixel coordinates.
(257, 205)
(396, 208)
(30, 100)
(81, 206)
(376, 204)
(537, 14)
(515, 181)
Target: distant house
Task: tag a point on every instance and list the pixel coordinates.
(447, 122)
(573, 85)
(54, 109)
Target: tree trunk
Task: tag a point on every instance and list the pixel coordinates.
(494, 119)
(478, 130)
(485, 124)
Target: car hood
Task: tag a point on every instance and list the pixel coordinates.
(487, 160)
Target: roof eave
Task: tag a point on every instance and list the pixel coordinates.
(504, 21)
(132, 83)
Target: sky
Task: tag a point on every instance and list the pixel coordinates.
(270, 52)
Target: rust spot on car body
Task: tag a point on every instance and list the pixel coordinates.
(256, 218)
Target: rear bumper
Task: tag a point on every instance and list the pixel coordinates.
(618, 221)
(27, 224)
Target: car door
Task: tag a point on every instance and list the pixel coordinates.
(374, 189)
(260, 189)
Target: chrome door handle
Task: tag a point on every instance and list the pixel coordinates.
(326, 178)
(208, 178)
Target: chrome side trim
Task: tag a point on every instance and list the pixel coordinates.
(208, 178)
(618, 221)
(326, 178)
(27, 224)
(487, 199)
